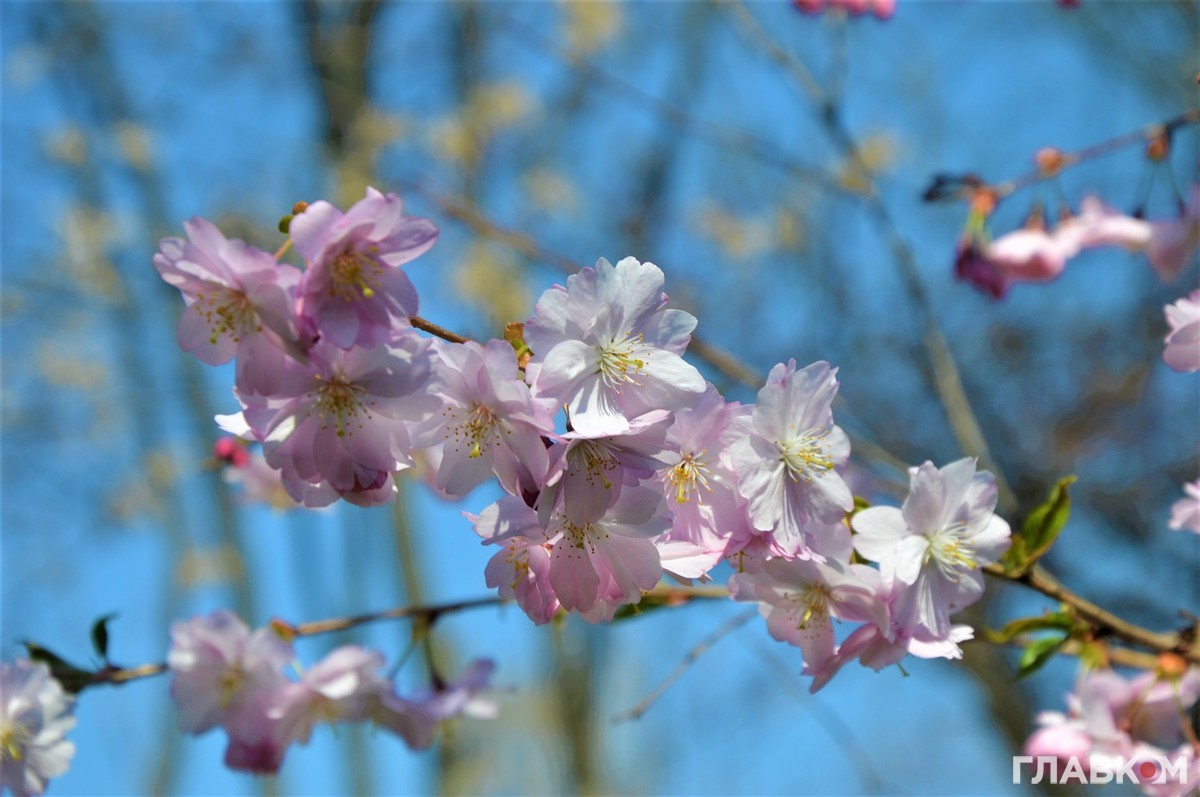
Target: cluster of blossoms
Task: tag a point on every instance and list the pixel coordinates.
(1113, 724)
(225, 675)
(649, 471)
(35, 715)
(1036, 253)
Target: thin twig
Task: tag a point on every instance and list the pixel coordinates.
(839, 732)
(1069, 159)
(733, 139)
(662, 595)
(434, 329)
(722, 631)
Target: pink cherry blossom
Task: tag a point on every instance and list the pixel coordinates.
(600, 563)
(936, 543)
(35, 715)
(800, 598)
(1185, 513)
(1098, 225)
(883, 9)
(521, 570)
(415, 719)
(1173, 241)
(262, 484)
(788, 455)
(878, 645)
(340, 420)
(354, 292)
(1029, 254)
(222, 673)
(339, 688)
(701, 489)
(1169, 243)
(605, 346)
(587, 473)
(489, 423)
(239, 300)
(1183, 342)
(256, 741)
(599, 560)
(463, 696)
(1112, 718)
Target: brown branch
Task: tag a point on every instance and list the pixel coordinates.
(733, 139)
(662, 595)
(1036, 578)
(434, 329)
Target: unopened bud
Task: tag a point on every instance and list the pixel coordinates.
(1172, 666)
(1049, 161)
(983, 201)
(1158, 147)
(231, 451)
(514, 333)
(285, 223)
(283, 629)
(1037, 217)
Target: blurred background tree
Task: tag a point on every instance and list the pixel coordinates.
(770, 162)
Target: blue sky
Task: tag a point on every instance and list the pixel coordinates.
(104, 429)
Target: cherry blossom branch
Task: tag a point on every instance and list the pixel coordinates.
(662, 595)
(1122, 657)
(1037, 579)
(729, 366)
(1065, 160)
(463, 210)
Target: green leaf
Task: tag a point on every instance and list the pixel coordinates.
(1059, 621)
(1037, 653)
(1040, 529)
(1045, 523)
(100, 636)
(72, 678)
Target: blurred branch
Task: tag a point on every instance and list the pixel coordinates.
(833, 725)
(339, 63)
(946, 380)
(722, 631)
(738, 141)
